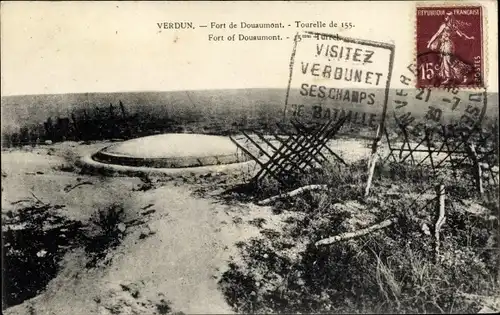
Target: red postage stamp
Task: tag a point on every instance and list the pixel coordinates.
(449, 43)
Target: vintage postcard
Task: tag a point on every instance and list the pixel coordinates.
(221, 157)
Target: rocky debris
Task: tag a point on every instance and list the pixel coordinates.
(487, 310)
(425, 229)
(121, 227)
(145, 232)
(126, 298)
(119, 302)
(132, 288)
(490, 304)
(477, 209)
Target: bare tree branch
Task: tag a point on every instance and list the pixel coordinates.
(292, 193)
(349, 235)
(70, 188)
(37, 198)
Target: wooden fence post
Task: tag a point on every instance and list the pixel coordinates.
(372, 161)
(440, 218)
(478, 172)
(497, 152)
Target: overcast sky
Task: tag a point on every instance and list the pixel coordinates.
(61, 47)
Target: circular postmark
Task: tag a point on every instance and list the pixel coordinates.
(440, 105)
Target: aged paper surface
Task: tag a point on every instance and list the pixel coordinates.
(249, 157)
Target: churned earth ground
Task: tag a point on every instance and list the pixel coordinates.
(174, 238)
(195, 243)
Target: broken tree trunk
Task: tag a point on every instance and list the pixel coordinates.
(292, 193)
(345, 236)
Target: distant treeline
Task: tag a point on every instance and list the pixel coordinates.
(100, 123)
(114, 122)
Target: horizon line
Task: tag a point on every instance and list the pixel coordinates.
(166, 91)
(142, 91)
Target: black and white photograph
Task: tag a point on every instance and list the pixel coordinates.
(243, 157)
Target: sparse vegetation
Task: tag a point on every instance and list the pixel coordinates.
(392, 270)
(66, 168)
(146, 183)
(163, 307)
(37, 237)
(34, 241)
(71, 160)
(258, 222)
(107, 228)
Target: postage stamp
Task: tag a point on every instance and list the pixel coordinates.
(449, 45)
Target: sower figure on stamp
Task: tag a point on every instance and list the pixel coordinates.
(451, 68)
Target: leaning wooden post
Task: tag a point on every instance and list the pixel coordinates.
(497, 152)
(378, 138)
(478, 172)
(372, 161)
(441, 194)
